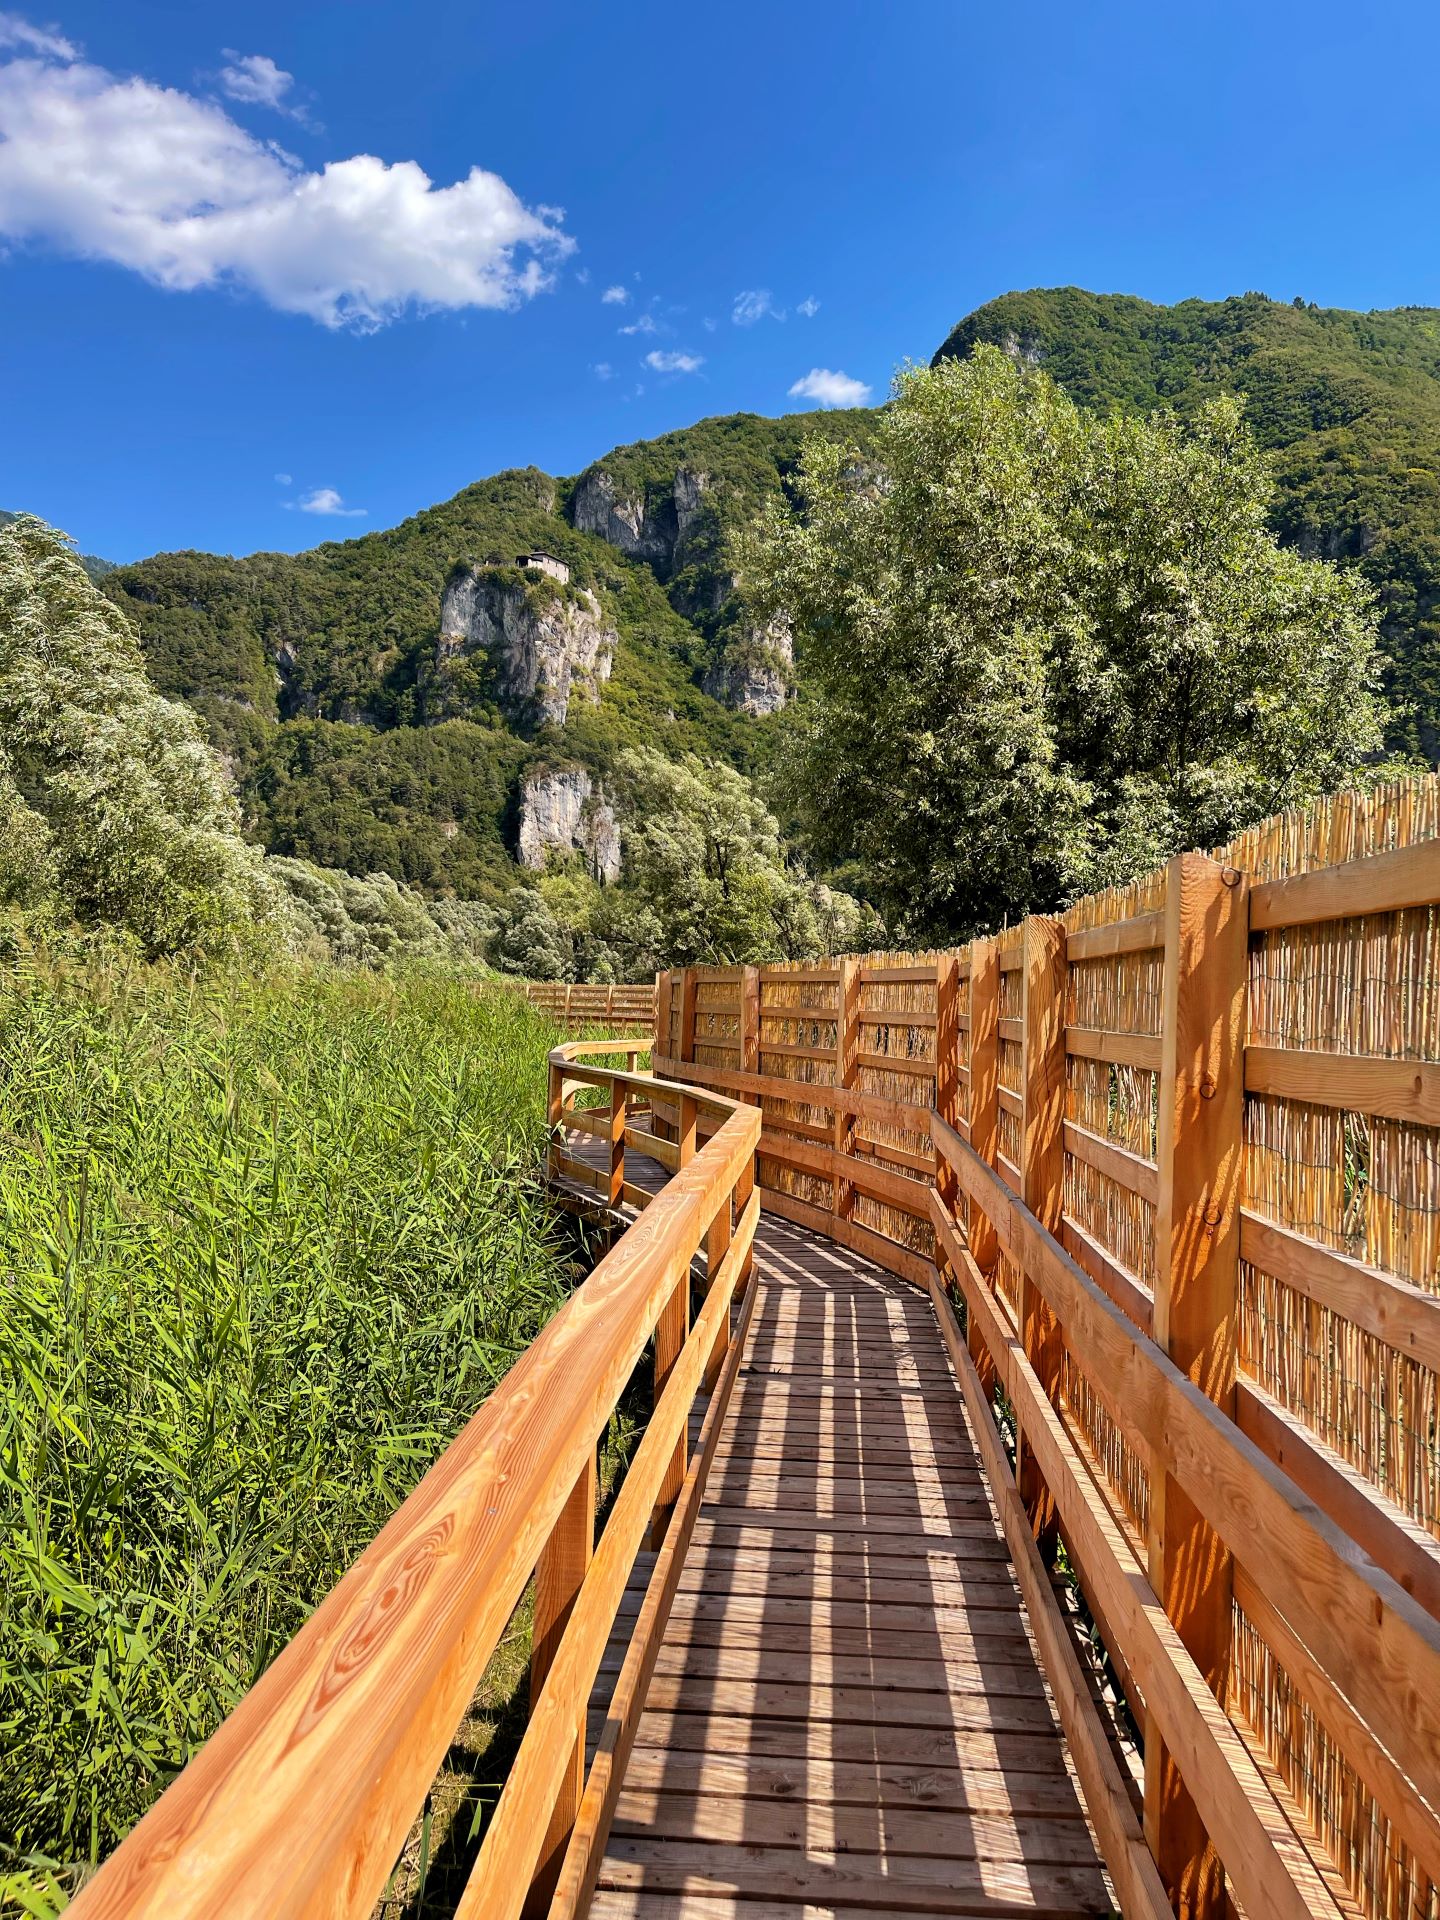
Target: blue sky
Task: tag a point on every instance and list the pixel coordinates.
(210, 340)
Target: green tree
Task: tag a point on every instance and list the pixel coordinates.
(1045, 649)
(110, 800)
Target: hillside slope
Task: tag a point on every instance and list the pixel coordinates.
(372, 694)
(1348, 404)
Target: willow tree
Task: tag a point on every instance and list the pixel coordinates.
(1044, 649)
(113, 810)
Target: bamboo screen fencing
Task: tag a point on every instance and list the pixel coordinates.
(575, 1006)
(1335, 1317)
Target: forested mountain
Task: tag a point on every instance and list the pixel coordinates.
(413, 701)
(395, 702)
(1348, 404)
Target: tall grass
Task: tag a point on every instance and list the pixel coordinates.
(264, 1246)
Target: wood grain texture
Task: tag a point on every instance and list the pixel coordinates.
(1356, 1619)
(1271, 1872)
(1381, 883)
(1200, 1157)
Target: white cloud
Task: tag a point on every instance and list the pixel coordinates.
(255, 79)
(708, 324)
(615, 297)
(168, 185)
(283, 480)
(45, 41)
(809, 306)
(603, 370)
(582, 274)
(325, 500)
(675, 362)
(830, 389)
(755, 305)
(644, 323)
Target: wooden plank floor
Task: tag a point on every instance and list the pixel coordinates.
(846, 1715)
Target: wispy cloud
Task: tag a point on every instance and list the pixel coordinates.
(615, 297)
(661, 362)
(603, 370)
(102, 166)
(328, 502)
(284, 480)
(830, 389)
(48, 42)
(255, 80)
(757, 304)
(642, 323)
(809, 306)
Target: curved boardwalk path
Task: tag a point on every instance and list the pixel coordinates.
(847, 1713)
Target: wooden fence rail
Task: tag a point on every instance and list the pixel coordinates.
(573, 1005)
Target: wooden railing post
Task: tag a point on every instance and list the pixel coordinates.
(554, 1108)
(1042, 1169)
(1197, 1272)
(689, 986)
(717, 1245)
(847, 1046)
(661, 1048)
(750, 1021)
(671, 1330)
(947, 1064)
(559, 1575)
(619, 1102)
(984, 1120)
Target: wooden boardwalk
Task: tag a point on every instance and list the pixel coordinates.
(846, 1713)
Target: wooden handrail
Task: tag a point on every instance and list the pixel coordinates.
(302, 1799)
(1354, 1617)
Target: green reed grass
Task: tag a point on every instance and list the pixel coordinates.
(264, 1246)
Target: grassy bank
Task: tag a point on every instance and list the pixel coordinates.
(264, 1246)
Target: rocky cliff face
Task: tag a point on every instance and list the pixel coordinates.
(755, 674)
(561, 810)
(542, 647)
(658, 531)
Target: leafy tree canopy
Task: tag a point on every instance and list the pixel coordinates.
(111, 804)
(1046, 648)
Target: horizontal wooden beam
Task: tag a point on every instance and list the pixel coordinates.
(1357, 1619)
(1142, 933)
(1270, 1871)
(1377, 883)
(1134, 1300)
(1120, 1049)
(1137, 1176)
(1380, 1529)
(301, 1800)
(1358, 1083)
(1389, 1309)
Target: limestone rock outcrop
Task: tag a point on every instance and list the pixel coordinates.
(561, 810)
(544, 644)
(755, 673)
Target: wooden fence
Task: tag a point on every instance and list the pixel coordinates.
(572, 1005)
(1177, 1154)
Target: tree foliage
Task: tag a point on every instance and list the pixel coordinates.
(1044, 649)
(111, 804)
(1347, 403)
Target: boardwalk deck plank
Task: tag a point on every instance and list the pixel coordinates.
(846, 1715)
